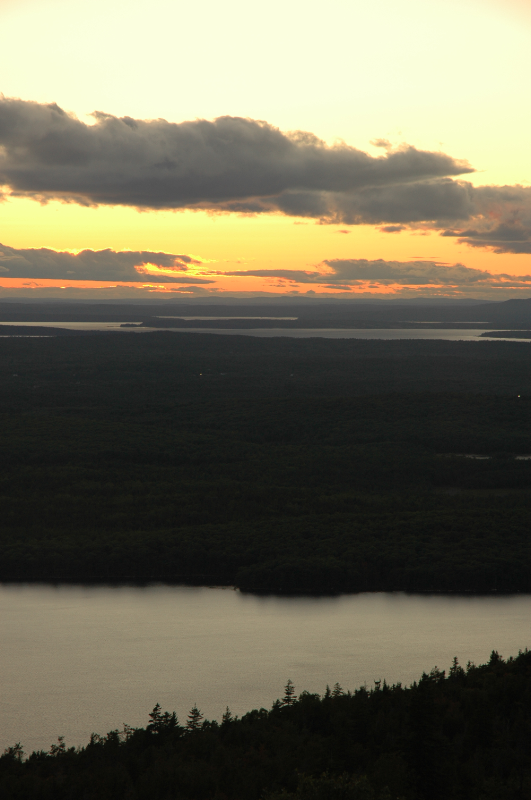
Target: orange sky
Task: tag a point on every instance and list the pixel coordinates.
(232, 242)
(448, 77)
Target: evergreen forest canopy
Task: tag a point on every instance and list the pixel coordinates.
(274, 464)
(463, 736)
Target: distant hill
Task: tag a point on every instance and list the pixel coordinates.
(317, 313)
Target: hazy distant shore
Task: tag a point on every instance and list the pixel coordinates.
(521, 334)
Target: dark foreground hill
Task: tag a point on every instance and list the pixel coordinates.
(464, 736)
(273, 464)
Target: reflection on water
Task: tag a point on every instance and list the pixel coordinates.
(77, 659)
(77, 326)
(160, 316)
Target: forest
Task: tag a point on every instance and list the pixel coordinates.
(463, 735)
(272, 464)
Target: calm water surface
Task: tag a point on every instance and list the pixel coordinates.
(77, 659)
(455, 334)
(450, 334)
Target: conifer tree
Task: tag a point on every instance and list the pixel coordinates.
(289, 693)
(58, 748)
(193, 722)
(155, 717)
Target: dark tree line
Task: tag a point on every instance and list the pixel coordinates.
(464, 735)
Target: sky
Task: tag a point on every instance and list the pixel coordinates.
(347, 150)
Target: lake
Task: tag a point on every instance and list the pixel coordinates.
(449, 334)
(77, 659)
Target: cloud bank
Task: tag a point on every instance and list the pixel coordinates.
(356, 272)
(502, 222)
(146, 267)
(181, 273)
(97, 265)
(242, 165)
(228, 164)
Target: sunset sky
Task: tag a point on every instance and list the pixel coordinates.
(350, 149)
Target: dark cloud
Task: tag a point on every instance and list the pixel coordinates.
(248, 166)
(502, 222)
(393, 228)
(433, 201)
(404, 272)
(385, 143)
(231, 163)
(96, 265)
(345, 273)
(429, 200)
(504, 238)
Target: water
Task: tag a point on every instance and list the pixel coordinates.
(450, 334)
(75, 326)
(162, 316)
(78, 659)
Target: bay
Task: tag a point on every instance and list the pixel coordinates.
(76, 659)
(448, 334)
